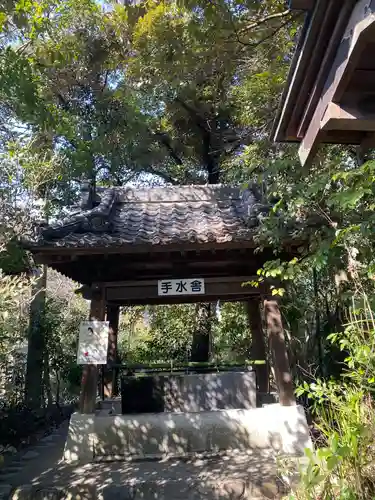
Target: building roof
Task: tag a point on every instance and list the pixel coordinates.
(319, 39)
(127, 217)
(329, 95)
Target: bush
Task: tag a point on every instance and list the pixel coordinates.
(343, 464)
(19, 424)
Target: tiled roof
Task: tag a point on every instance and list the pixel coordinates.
(158, 216)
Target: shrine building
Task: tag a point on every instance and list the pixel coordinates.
(168, 245)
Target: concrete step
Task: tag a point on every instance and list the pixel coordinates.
(240, 477)
(282, 428)
(171, 490)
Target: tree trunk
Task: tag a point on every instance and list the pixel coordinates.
(47, 378)
(200, 349)
(58, 382)
(318, 336)
(36, 344)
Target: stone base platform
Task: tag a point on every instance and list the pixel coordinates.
(275, 428)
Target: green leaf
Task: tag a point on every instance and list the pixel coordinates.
(332, 462)
(334, 442)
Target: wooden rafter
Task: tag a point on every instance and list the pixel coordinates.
(361, 25)
(301, 4)
(341, 117)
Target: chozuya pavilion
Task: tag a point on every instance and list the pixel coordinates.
(176, 245)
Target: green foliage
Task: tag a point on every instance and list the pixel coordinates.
(164, 333)
(231, 335)
(157, 334)
(61, 321)
(342, 465)
(185, 91)
(14, 292)
(111, 91)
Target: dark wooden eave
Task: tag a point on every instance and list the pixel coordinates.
(301, 4)
(330, 94)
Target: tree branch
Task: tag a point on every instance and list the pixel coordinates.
(199, 121)
(105, 80)
(255, 24)
(163, 139)
(209, 158)
(256, 44)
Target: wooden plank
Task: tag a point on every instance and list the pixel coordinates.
(153, 282)
(340, 117)
(129, 249)
(361, 22)
(285, 123)
(141, 259)
(147, 293)
(316, 63)
(343, 137)
(322, 70)
(301, 4)
(368, 142)
(362, 81)
(190, 299)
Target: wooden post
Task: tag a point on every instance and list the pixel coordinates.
(279, 353)
(258, 345)
(110, 381)
(89, 384)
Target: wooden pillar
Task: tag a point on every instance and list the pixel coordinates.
(89, 383)
(258, 344)
(277, 345)
(110, 378)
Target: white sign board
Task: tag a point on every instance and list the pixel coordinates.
(93, 343)
(193, 286)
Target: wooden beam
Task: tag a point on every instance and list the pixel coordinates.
(367, 143)
(147, 292)
(276, 338)
(325, 61)
(153, 282)
(131, 249)
(301, 4)
(89, 384)
(311, 41)
(362, 81)
(341, 117)
(258, 345)
(186, 299)
(361, 24)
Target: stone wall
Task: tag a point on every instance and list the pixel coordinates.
(275, 428)
(189, 392)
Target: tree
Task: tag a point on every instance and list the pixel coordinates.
(184, 91)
